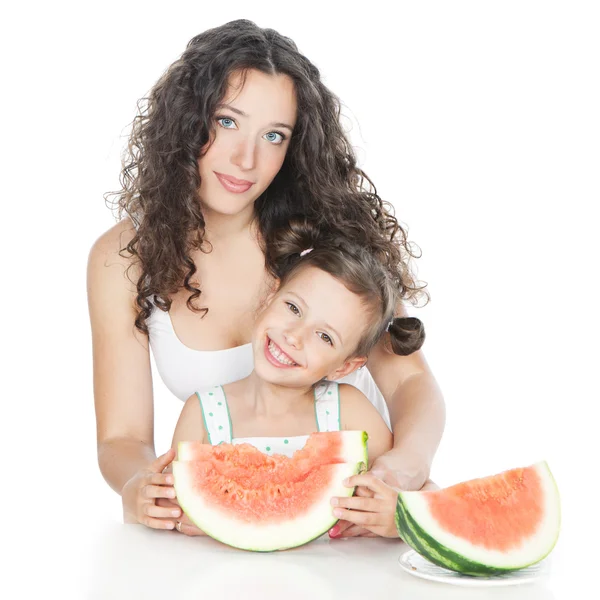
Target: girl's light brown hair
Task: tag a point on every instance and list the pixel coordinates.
(355, 264)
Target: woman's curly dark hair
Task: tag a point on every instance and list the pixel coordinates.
(319, 179)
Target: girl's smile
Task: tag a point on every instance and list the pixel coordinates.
(277, 357)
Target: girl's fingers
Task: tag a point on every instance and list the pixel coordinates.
(357, 517)
(167, 502)
(339, 527)
(158, 491)
(187, 527)
(356, 531)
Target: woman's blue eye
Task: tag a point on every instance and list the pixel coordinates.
(275, 137)
(326, 338)
(226, 122)
(293, 308)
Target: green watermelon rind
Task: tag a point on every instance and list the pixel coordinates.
(358, 468)
(431, 549)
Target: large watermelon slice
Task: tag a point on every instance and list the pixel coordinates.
(485, 526)
(250, 500)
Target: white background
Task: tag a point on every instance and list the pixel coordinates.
(480, 123)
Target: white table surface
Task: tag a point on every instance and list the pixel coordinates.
(131, 561)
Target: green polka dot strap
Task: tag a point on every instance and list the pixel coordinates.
(327, 406)
(215, 413)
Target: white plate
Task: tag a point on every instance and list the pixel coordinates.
(415, 564)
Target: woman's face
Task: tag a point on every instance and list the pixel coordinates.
(308, 330)
(253, 124)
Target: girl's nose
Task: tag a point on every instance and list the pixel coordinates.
(293, 337)
(244, 154)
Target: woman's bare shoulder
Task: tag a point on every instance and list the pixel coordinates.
(108, 261)
(112, 241)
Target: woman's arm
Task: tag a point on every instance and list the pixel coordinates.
(123, 384)
(417, 413)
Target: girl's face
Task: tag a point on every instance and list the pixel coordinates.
(254, 124)
(308, 330)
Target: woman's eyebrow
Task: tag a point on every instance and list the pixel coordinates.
(243, 114)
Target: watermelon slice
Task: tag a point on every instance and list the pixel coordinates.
(485, 526)
(253, 501)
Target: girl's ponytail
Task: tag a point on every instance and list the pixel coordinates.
(407, 335)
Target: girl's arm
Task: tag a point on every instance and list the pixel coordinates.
(189, 425)
(417, 413)
(357, 413)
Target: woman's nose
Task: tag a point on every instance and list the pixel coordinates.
(244, 154)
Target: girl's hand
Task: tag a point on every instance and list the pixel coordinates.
(372, 509)
(141, 492)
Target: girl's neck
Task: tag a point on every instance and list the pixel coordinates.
(271, 400)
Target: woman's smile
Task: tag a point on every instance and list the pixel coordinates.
(232, 184)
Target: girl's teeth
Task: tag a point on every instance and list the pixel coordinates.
(276, 353)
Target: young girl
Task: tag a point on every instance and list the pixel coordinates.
(332, 305)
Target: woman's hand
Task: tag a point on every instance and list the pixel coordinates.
(183, 524)
(371, 510)
(407, 473)
(141, 493)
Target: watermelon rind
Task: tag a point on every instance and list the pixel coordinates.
(291, 533)
(424, 534)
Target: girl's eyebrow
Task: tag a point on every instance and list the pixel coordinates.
(243, 114)
(327, 325)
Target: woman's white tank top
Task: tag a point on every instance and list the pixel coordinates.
(186, 371)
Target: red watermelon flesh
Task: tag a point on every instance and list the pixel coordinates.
(250, 500)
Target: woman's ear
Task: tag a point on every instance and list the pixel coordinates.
(348, 367)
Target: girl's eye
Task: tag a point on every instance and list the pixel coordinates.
(326, 338)
(275, 137)
(293, 308)
(226, 122)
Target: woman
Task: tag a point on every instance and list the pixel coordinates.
(238, 136)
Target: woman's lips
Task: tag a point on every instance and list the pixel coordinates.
(273, 360)
(232, 184)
